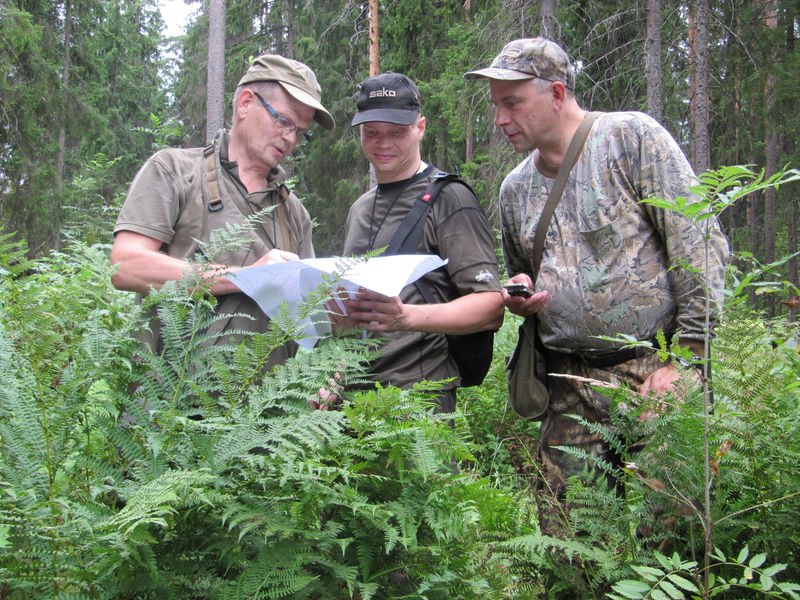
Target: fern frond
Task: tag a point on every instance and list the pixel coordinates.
(535, 546)
(276, 572)
(155, 500)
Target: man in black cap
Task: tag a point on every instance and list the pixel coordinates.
(181, 196)
(466, 291)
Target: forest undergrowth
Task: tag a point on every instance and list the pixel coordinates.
(190, 474)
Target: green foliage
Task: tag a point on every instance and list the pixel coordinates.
(190, 474)
(613, 539)
(742, 447)
(51, 186)
(676, 579)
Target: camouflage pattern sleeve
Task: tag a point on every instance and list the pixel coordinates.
(514, 194)
(664, 172)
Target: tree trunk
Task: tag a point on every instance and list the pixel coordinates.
(548, 24)
(215, 82)
(753, 235)
(62, 135)
(290, 29)
(736, 214)
(794, 200)
(275, 28)
(791, 243)
(698, 36)
(441, 146)
(770, 144)
(655, 103)
(374, 63)
(468, 133)
(374, 47)
(62, 127)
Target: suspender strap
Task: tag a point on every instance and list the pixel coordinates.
(215, 202)
(573, 151)
(279, 213)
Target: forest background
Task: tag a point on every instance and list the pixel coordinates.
(92, 88)
(265, 498)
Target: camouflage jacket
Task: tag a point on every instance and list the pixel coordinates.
(612, 265)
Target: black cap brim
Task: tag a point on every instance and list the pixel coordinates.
(385, 115)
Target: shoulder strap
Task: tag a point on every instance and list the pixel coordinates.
(281, 213)
(406, 238)
(215, 202)
(573, 151)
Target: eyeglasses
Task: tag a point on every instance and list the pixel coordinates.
(283, 122)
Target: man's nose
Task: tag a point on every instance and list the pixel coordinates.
(292, 136)
(500, 117)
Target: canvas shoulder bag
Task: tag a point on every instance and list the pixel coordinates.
(526, 368)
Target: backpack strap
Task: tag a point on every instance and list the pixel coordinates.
(471, 353)
(406, 238)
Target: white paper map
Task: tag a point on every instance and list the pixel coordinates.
(292, 282)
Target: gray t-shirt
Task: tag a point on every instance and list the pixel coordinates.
(457, 230)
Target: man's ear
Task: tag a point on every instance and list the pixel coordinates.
(421, 126)
(559, 92)
(243, 103)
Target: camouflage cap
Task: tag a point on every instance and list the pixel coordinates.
(296, 78)
(530, 58)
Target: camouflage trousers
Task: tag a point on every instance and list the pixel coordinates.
(573, 396)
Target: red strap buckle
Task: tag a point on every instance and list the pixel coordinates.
(426, 197)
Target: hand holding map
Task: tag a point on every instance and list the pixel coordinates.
(292, 282)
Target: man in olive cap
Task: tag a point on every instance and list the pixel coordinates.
(610, 266)
(181, 196)
(464, 296)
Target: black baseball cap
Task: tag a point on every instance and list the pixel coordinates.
(388, 98)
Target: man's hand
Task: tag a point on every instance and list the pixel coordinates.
(478, 311)
(275, 256)
(658, 383)
(376, 312)
(143, 265)
(328, 398)
(524, 307)
(340, 314)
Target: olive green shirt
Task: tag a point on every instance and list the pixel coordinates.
(169, 201)
(456, 229)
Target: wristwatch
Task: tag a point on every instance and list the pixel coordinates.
(695, 362)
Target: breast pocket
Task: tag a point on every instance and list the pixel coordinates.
(601, 256)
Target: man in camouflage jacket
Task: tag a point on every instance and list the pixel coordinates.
(607, 266)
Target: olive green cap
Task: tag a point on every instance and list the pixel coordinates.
(296, 78)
